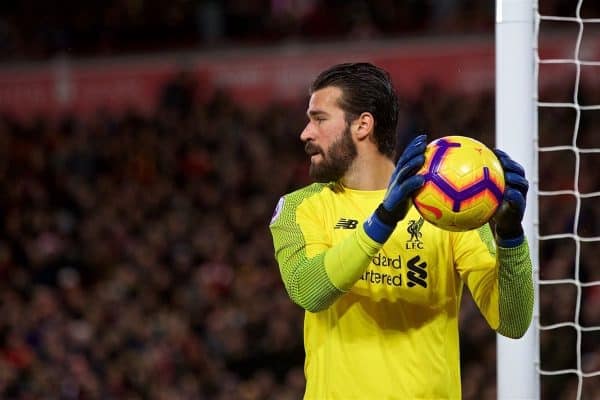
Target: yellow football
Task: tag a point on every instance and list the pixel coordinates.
(464, 184)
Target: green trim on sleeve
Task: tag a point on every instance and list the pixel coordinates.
(516, 293)
(487, 237)
(309, 285)
(315, 282)
(305, 279)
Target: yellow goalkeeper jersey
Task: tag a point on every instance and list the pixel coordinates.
(393, 334)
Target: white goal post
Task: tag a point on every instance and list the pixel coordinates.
(516, 133)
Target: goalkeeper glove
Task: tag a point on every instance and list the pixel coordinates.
(403, 183)
(508, 217)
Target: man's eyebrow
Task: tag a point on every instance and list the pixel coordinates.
(316, 113)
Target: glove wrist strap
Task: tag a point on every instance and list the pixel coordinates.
(386, 216)
(510, 238)
(380, 225)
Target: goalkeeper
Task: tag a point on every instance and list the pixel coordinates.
(381, 287)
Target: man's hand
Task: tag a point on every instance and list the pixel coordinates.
(402, 184)
(509, 215)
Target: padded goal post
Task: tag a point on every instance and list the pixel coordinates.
(547, 118)
(517, 360)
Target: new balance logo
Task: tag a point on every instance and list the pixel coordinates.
(345, 223)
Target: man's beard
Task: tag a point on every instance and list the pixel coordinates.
(336, 161)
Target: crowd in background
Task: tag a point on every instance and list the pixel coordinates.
(136, 260)
(32, 29)
(41, 30)
(135, 256)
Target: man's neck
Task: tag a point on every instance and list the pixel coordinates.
(369, 173)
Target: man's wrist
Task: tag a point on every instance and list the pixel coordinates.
(510, 243)
(386, 217)
(380, 225)
(508, 239)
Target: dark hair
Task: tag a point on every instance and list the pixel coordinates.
(365, 88)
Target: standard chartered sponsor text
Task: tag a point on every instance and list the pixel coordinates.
(382, 279)
(379, 261)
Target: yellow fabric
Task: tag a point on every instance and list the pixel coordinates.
(394, 333)
(347, 262)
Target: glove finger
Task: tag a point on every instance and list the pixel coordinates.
(515, 200)
(508, 164)
(500, 153)
(416, 146)
(517, 182)
(396, 172)
(411, 167)
(405, 167)
(399, 193)
(412, 184)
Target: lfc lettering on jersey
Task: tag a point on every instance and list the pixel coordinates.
(416, 245)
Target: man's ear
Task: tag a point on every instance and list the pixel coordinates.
(364, 125)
